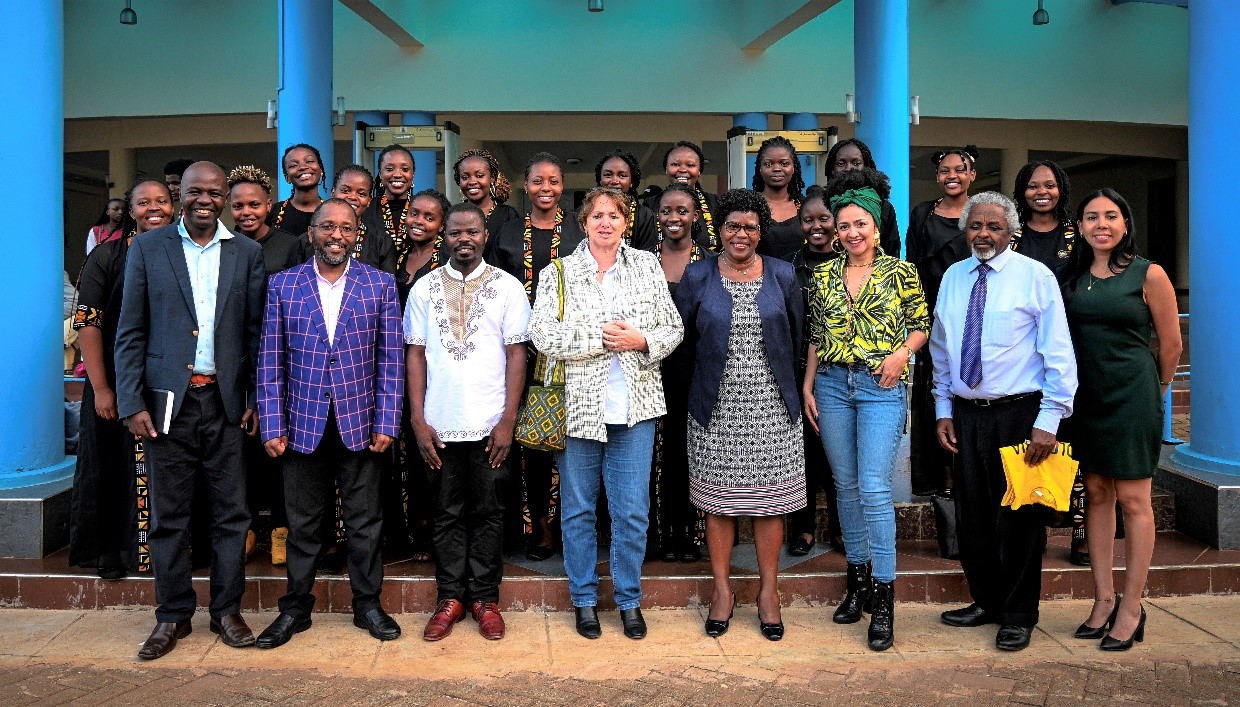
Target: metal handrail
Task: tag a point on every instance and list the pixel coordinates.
(1168, 436)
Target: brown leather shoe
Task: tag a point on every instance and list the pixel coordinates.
(233, 631)
(163, 639)
(445, 617)
(490, 622)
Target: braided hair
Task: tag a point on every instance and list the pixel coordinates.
(249, 174)
(501, 188)
(867, 159)
(635, 170)
(796, 185)
(355, 168)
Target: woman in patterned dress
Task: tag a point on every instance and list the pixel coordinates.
(743, 314)
(868, 317)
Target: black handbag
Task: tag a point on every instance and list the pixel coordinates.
(944, 505)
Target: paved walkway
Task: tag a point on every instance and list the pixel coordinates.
(1191, 656)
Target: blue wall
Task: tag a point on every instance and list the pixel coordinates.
(977, 58)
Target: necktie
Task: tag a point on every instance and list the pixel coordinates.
(971, 344)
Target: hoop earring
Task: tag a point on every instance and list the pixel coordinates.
(878, 237)
(837, 246)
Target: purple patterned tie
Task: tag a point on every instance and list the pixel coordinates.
(971, 344)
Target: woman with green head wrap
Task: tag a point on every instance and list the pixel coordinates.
(867, 317)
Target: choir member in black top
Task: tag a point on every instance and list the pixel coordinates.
(103, 521)
(424, 224)
(374, 247)
(396, 170)
(619, 170)
(935, 243)
(683, 164)
(522, 249)
(304, 170)
(482, 183)
(852, 154)
(1047, 233)
(777, 177)
(249, 198)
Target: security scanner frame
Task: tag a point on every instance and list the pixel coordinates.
(743, 145)
(444, 140)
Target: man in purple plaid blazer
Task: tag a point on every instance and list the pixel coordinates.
(330, 394)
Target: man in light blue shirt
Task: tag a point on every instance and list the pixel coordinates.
(1004, 373)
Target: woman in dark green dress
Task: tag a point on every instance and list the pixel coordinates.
(1112, 297)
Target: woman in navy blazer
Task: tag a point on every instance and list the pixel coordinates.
(743, 315)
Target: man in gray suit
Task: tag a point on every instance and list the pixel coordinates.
(186, 342)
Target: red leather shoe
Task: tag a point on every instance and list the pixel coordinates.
(490, 622)
(445, 617)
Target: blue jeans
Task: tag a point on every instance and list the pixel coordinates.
(861, 425)
(622, 465)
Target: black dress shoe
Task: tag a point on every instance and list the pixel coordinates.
(800, 547)
(281, 630)
(971, 615)
(587, 622)
(1013, 638)
(634, 624)
(164, 638)
(233, 631)
(716, 627)
(379, 624)
(1080, 558)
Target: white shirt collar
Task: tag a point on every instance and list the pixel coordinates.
(996, 263)
(456, 274)
(339, 282)
(221, 231)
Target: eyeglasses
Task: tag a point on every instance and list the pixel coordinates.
(329, 227)
(732, 228)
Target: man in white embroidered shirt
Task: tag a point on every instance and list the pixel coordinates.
(1004, 373)
(465, 327)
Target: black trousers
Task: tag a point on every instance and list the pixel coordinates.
(468, 518)
(927, 459)
(1000, 549)
(817, 475)
(309, 487)
(265, 483)
(201, 450)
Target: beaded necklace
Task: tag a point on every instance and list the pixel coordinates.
(712, 241)
(280, 213)
(527, 248)
(1069, 238)
(361, 236)
(696, 252)
(435, 260)
(396, 229)
(628, 235)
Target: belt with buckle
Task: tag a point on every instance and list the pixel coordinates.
(198, 380)
(982, 403)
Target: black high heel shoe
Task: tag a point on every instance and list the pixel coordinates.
(716, 628)
(1110, 643)
(770, 631)
(1094, 633)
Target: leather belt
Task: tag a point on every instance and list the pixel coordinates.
(999, 401)
(199, 380)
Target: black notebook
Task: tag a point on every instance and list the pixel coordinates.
(159, 405)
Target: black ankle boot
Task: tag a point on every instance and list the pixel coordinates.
(883, 616)
(857, 599)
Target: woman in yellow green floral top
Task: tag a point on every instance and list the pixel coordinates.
(867, 317)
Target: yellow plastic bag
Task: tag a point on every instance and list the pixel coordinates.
(1048, 483)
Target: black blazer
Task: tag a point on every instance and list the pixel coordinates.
(706, 308)
(156, 334)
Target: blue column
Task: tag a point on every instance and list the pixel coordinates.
(1213, 94)
(753, 121)
(426, 173)
(880, 55)
(804, 121)
(32, 448)
(305, 92)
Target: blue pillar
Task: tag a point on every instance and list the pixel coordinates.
(425, 171)
(32, 448)
(804, 121)
(880, 55)
(1213, 94)
(753, 121)
(305, 91)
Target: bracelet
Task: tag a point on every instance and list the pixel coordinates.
(1165, 382)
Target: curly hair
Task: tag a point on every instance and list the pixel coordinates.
(796, 185)
(744, 200)
(1023, 209)
(867, 159)
(592, 196)
(635, 170)
(501, 188)
(249, 174)
(857, 179)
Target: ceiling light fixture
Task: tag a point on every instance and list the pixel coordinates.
(1041, 16)
(594, 5)
(128, 16)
